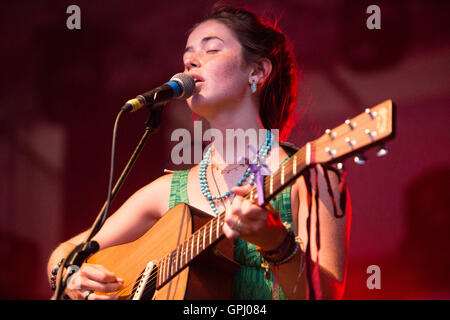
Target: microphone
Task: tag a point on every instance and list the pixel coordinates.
(180, 86)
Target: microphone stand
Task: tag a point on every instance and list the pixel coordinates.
(81, 252)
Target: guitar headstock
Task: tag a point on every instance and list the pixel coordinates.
(370, 128)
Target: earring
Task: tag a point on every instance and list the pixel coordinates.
(253, 87)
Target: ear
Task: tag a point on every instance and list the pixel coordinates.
(260, 71)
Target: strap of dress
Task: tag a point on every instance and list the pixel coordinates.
(178, 188)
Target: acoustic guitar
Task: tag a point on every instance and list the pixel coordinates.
(185, 255)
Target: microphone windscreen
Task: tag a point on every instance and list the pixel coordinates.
(187, 84)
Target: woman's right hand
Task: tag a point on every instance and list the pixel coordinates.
(93, 277)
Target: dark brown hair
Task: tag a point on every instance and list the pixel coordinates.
(260, 39)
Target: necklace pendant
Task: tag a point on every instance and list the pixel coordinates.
(265, 265)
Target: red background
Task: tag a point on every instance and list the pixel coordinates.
(61, 89)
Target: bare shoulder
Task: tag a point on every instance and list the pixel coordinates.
(155, 196)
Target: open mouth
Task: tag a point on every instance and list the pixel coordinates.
(197, 78)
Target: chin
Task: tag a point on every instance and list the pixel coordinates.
(200, 105)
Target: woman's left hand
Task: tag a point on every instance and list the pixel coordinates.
(246, 220)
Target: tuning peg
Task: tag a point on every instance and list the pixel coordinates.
(340, 166)
(382, 151)
(370, 113)
(330, 152)
(350, 124)
(351, 143)
(330, 133)
(371, 134)
(360, 159)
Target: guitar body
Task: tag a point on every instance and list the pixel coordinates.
(208, 276)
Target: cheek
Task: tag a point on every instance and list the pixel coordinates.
(229, 75)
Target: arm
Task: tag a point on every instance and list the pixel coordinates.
(334, 232)
(128, 223)
(266, 231)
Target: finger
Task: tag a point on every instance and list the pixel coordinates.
(233, 213)
(101, 274)
(250, 212)
(236, 205)
(242, 190)
(101, 287)
(94, 296)
(229, 232)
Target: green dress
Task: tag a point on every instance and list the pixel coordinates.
(250, 281)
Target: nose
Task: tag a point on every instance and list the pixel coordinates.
(191, 61)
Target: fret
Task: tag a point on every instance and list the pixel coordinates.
(163, 266)
(177, 259)
(217, 228)
(220, 221)
(192, 249)
(186, 251)
(204, 236)
(179, 256)
(271, 184)
(210, 233)
(158, 276)
(167, 267)
(282, 174)
(198, 242)
(171, 271)
(184, 254)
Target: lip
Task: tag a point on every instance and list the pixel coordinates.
(196, 77)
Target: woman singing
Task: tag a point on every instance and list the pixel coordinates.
(245, 79)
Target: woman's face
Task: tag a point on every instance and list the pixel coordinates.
(213, 57)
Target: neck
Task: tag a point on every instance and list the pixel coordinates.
(235, 133)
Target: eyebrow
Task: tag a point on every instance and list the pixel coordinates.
(204, 40)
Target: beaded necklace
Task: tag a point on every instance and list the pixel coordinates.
(262, 154)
